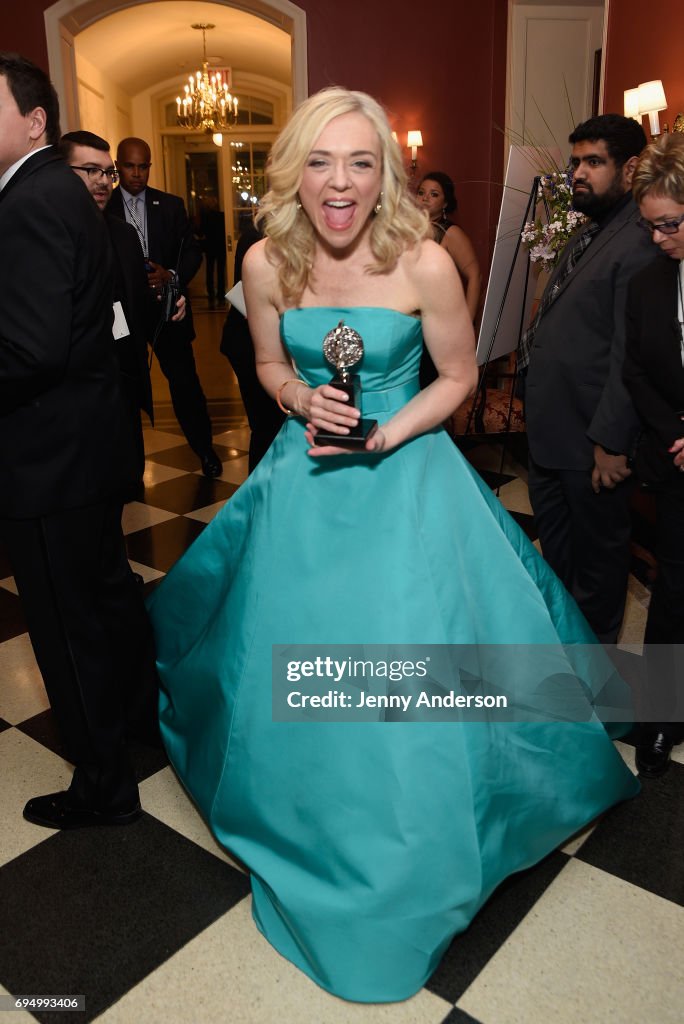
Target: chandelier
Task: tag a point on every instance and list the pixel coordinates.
(207, 105)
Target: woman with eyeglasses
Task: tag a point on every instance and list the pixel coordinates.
(654, 374)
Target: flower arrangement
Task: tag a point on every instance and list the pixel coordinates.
(546, 237)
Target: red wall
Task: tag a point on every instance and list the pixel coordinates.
(441, 69)
(645, 42)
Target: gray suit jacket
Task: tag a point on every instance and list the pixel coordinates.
(575, 396)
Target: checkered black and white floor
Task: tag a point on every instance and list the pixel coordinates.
(152, 922)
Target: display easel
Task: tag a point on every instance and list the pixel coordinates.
(508, 300)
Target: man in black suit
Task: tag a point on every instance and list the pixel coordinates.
(581, 423)
(135, 313)
(64, 445)
(169, 246)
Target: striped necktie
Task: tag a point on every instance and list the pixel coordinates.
(136, 212)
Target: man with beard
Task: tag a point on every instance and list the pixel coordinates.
(581, 423)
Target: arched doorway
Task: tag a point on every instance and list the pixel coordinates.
(65, 19)
(118, 67)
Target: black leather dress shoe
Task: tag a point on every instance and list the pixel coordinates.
(211, 464)
(55, 811)
(653, 755)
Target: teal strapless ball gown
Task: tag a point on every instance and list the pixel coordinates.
(369, 845)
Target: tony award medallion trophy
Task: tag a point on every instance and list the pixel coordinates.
(343, 347)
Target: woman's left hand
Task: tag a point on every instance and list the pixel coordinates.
(374, 444)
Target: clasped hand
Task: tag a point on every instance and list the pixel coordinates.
(157, 278)
(609, 470)
(158, 275)
(327, 408)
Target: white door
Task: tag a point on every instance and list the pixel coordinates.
(551, 70)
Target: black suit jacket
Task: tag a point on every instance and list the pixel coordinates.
(63, 432)
(653, 366)
(132, 291)
(171, 243)
(575, 396)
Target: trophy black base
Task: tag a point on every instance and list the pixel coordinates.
(356, 440)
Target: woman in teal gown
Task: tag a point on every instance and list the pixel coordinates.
(370, 844)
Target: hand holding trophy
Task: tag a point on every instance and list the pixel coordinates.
(343, 347)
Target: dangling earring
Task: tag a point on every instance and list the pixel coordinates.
(378, 206)
(299, 205)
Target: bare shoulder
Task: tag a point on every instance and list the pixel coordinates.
(425, 258)
(260, 267)
(429, 263)
(260, 278)
(456, 234)
(459, 246)
(256, 261)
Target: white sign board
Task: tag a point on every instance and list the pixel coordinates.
(523, 166)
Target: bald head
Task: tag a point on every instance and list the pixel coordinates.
(133, 162)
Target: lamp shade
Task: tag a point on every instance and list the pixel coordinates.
(651, 97)
(414, 138)
(632, 104)
(217, 139)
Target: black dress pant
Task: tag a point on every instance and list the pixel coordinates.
(585, 539)
(130, 392)
(263, 414)
(177, 361)
(90, 634)
(665, 623)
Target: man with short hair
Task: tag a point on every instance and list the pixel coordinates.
(137, 313)
(581, 423)
(65, 444)
(169, 246)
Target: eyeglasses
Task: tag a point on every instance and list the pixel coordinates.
(97, 173)
(665, 227)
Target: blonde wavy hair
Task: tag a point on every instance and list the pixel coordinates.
(660, 170)
(397, 226)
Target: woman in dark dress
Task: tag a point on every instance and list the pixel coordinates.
(436, 195)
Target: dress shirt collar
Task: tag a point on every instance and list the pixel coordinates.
(127, 197)
(12, 170)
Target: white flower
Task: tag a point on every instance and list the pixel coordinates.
(545, 240)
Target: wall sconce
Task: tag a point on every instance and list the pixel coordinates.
(217, 139)
(651, 101)
(632, 104)
(413, 141)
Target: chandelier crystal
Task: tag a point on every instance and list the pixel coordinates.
(208, 105)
